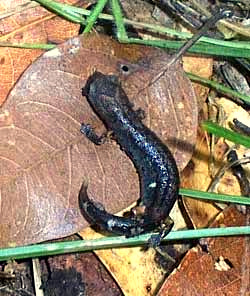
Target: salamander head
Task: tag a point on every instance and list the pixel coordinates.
(98, 84)
(103, 94)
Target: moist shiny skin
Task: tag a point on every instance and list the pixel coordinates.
(158, 173)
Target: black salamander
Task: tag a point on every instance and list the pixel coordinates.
(159, 177)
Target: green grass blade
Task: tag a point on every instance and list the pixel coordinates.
(94, 15)
(62, 10)
(165, 30)
(120, 241)
(57, 248)
(168, 44)
(27, 45)
(244, 200)
(219, 131)
(119, 22)
(219, 87)
(215, 46)
(199, 47)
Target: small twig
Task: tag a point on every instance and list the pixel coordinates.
(239, 173)
(222, 171)
(241, 127)
(214, 19)
(37, 277)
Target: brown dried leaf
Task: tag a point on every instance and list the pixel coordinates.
(196, 175)
(229, 183)
(202, 67)
(24, 23)
(200, 274)
(44, 157)
(134, 269)
(97, 280)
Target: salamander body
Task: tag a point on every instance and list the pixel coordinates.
(159, 177)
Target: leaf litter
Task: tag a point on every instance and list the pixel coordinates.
(45, 158)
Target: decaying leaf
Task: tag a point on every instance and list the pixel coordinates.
(228, 183)
(45, 158)
(222, 271)
(83, 273)
(134, 269)
(203, 67)
(22, 22)
(197, 176)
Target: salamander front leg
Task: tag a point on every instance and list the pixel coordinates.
(90, 133)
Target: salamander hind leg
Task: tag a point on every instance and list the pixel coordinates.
(165, 228)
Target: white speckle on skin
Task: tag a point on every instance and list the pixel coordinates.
(152, 185)
(133, 231)
(111, 224)
(222, 265)
(85, 206)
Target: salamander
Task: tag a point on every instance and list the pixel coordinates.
(155, 164)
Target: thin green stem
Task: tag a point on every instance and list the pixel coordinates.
(201, 48)
(243, 45)
(219, 131)
(215, 196)
(94, 15)
(117, 12)
(219, 87)
(62, 10)
(197, 48)
(50, 249)
(27, 45)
